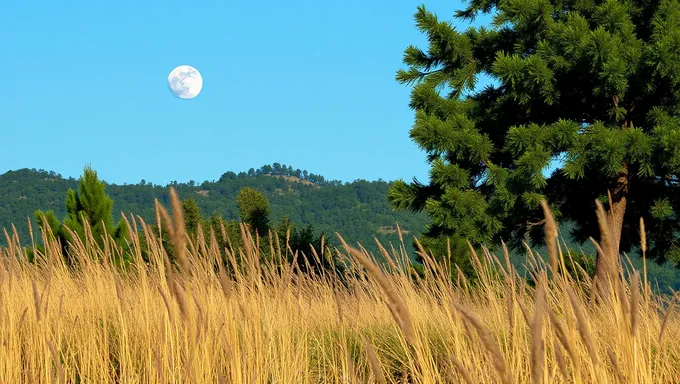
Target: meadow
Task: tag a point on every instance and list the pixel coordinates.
(237, 316)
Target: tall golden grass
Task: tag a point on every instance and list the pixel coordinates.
(265, 323)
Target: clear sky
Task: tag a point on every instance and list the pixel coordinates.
(305, 83)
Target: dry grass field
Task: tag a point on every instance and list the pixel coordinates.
(265, 323)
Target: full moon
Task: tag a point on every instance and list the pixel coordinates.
(185, 82)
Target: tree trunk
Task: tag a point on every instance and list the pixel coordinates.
(607, 265)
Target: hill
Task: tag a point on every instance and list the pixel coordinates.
(357, 210)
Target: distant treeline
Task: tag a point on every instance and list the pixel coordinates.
(358, 210)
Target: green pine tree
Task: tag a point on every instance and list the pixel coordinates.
(593, 83)
(192, 216)
(89, 205)
(304, 242)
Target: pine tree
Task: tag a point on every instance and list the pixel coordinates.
(593, 83)
(89, 205)
(192, 216)
(305, 242)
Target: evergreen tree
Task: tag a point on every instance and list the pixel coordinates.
(90, 206)
(192, 216)
(593, 83)
(305, 242)
(276, 169)
(231, 230)
(228, 176)
(253, 209)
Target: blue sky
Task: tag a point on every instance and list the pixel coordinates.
(305, 83)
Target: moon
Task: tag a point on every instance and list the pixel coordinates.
(185, 82)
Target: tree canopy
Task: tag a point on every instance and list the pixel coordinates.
(592, 87)
(254, 210)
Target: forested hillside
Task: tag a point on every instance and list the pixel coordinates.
(358, 210)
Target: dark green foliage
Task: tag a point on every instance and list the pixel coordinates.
(454, 251)
(579, 265)
(253, 210)
(89, 207)
(594, 83)
(254, 207)
(227, 233)
(192, 216)
(306, 244)
(358, 210)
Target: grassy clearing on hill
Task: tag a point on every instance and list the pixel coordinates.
(266, 323)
